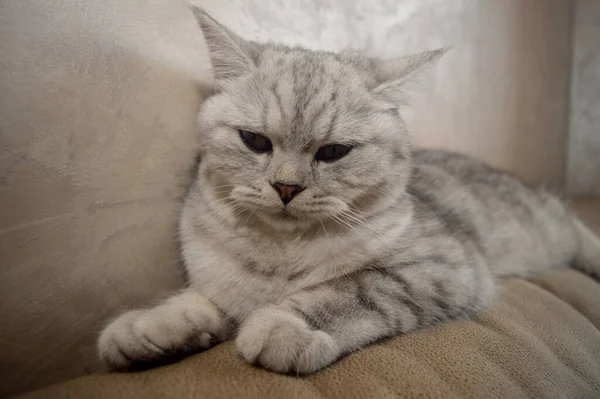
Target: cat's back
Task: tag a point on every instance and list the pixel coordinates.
(511, 221)
(469, 170)
(462, 177)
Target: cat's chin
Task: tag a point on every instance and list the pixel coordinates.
(287, 221)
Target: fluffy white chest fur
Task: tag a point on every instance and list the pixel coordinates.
(239, 270)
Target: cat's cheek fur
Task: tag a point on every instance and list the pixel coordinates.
(282, 342)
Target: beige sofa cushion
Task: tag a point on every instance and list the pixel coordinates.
(538, 341)
(97, 141)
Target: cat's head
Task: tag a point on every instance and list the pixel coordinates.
(297, 137)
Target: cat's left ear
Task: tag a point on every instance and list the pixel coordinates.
(231, 56)
(395, 74)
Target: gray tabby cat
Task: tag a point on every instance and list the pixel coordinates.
(313, 230)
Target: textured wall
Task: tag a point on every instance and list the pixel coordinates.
(584, 138)
(501, 93)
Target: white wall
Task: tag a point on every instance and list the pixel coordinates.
(583, 173)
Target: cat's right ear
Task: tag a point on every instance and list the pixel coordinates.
(230, 55)
(395, 74)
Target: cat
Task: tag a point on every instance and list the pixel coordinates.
(314, 229)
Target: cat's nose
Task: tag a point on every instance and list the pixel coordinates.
(287, 191)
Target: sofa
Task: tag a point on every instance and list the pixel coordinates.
(541, 339)
(98, 101)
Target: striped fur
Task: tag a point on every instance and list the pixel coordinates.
(382, 242)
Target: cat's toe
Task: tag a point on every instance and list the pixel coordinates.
(138, 340)
(145, 338)
(282, 342)
(119, 346)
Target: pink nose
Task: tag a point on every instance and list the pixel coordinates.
(287, 191)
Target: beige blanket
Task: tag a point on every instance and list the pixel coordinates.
(540, 340)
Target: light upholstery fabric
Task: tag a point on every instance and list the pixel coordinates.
(96, 142)
(539, 340)
(97, 108)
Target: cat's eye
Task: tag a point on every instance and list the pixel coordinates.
(256, 142)
(332, 152)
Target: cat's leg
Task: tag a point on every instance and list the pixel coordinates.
(184, 323)
(313, 328)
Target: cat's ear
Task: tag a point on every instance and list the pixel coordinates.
(230, 55)
(395, 74)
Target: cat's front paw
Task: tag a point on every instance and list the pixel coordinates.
(280, 341)
(142, 338)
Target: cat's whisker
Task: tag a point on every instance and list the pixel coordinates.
(227, 187)
(224, 185)
(349, 226)
(252, 212)
(223, 199)
(323, 225)
(219, 193)
(361, 222)
(239, 210)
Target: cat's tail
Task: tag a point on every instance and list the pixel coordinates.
(588, 256)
